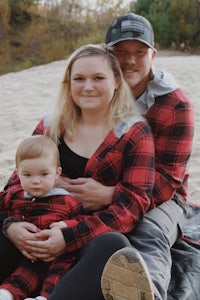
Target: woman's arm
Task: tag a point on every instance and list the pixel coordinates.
(18, 233)
(50, 244)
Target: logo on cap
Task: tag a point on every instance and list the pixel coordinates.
(136, 27)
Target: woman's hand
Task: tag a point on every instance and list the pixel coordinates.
(18, 232)
(50, 243)
(93, 194)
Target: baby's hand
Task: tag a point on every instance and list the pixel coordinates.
(56, 225)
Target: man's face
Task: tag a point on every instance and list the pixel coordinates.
(135, 59)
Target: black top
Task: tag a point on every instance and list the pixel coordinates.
(73, 165)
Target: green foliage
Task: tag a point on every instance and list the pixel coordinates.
(183, 14)
(142, 7)
(33, 34)
(176, 23)
(36, 34)
(20, 11)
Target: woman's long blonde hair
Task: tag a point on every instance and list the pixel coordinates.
(66, 113)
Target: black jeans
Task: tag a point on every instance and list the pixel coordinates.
(9, 257)
(83, 280)
(153, 238)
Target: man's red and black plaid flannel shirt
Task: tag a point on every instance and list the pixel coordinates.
(171, 119)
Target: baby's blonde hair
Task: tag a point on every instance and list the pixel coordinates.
(36, 146)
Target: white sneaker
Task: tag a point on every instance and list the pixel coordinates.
(37, 298)
(5, 295)
(126, 277)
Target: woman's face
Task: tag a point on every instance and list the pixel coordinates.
(92, 83)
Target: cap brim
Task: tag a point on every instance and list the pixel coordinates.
(129, 39)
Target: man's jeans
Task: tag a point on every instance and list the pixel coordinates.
(154, 236)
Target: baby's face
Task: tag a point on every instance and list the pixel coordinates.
(38, 175)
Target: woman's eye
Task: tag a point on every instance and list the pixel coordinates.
(98, 78)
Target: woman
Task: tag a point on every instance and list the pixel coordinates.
(100, 136)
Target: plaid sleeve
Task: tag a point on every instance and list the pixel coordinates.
(172, 123)
(11, 189)
(131, 164)
(40, 128)
(6, 198)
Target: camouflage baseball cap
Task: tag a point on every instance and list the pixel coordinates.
(130, 27)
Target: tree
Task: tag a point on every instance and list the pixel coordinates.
(183, 14)
(143, 6)
(4, 25)
(4, 16)
(19, 13)
(174, 22)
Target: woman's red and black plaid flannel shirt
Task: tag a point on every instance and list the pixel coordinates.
(126, 162)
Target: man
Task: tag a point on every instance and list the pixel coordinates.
(170, 115)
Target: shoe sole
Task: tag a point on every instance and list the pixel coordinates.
(125, 277)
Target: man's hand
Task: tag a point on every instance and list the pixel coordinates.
(91, 193)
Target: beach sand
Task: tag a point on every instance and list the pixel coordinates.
(27, 95)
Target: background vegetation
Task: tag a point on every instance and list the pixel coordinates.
(34, 32)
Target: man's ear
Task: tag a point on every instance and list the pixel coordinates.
(154, 53)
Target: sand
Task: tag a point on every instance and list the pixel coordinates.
(27, 95)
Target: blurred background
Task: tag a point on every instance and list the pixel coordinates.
(34, 32)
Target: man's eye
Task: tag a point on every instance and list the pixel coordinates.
(141, 52)
(119, 52)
